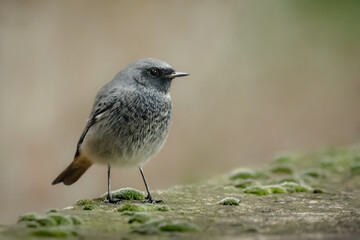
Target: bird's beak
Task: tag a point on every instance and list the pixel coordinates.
(177, 74)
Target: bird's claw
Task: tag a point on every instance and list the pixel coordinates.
(149, 199)
(112, 200)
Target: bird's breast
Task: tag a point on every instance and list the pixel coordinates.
(134, 130)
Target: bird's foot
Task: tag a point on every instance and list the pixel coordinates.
(149, 199)
(112, 200)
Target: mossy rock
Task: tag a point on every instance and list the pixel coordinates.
(283, 213)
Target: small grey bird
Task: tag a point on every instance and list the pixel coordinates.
(129, 122)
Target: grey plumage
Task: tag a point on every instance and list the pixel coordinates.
(131, 117)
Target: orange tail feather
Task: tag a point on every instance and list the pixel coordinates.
(74, 171)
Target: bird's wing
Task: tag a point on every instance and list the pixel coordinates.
(102, 106)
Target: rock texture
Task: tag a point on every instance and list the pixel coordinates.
(298, 195)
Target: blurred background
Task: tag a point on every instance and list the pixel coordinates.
(266, 77)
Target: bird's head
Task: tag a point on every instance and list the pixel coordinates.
(153, 73)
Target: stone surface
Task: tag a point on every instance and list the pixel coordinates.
(318, 199)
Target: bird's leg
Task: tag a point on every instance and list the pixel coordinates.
(149, 197)
(110, 199)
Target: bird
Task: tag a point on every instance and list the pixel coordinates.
(128, 124)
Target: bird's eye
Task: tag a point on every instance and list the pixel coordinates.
(154, 72)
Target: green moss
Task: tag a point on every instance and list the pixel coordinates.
(87, 204)
(295, 187)
(140, 218)
(261, 175)
(53, 211)
(242, 174)
(282, 170)
(246, 183)
(163, 208)
(314, 174)
(32, 224)
(230, 201)
(247, 174)
(126, 194)
(51, 220)
(129, 209)
(132, 208)
(76, 220)
(165, 225)
(258, 190)
(276, 189)
(61, 220)
(57, 233)
(28, 217)
(265, 190)
(289, 180)
(357, 159)
(47, 221)
(83, 202)
(355, 170)
(283, 160)
(89, 207)
(285, 187)
(177, 226)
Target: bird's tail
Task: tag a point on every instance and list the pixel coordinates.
(74, 171)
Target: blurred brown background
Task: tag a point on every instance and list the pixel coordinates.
(266, 76)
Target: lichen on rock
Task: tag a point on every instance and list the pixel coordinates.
(231, 201)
